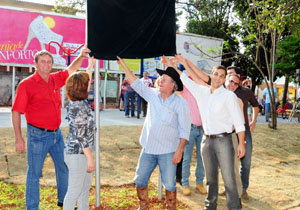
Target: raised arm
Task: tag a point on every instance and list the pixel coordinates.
(75, 65)
(129, 74)
(189, 67)
(170, 63)
(90, 67)
(200, 74)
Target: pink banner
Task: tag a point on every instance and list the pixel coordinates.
(23, 33)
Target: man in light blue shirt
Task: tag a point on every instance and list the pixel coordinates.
(164, 135)
(268, 101)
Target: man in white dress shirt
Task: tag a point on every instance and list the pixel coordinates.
(164, 135)
(219, 109)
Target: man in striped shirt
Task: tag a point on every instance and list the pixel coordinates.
(164, 135)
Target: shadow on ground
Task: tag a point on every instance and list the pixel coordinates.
(274, 180)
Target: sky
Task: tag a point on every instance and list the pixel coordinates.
(182, 20)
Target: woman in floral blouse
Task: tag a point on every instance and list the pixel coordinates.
(80, 141)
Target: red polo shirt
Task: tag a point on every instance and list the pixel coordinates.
(40, 101)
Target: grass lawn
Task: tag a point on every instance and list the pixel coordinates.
(274, 179)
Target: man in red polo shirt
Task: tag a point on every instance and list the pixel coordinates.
(38, 97)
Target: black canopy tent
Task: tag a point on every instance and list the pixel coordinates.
(131, 28)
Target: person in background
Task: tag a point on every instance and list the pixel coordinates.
(129, 94)
(38, 97)
(148, 82)
(80, 141)
(268, 101)
(246, 84)
(91, 97)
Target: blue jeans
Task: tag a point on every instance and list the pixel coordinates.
(267, 110)
(195, 138)
(130, 96)
(139, 105)
(148, 162)
(246, 160)
(39, 143)
(219, 152)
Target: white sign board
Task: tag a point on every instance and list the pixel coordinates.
(203, 51)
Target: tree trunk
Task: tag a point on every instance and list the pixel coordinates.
(273, 124)
(274, 116)
(286, 87)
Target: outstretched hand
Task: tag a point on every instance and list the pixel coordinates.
(169, 62)
(181, 59)
(91, 62)
(121, 62)
(85, 51)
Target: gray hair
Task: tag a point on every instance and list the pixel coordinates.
(175, 85)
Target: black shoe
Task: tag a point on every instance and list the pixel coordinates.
(179, 181)
(60, 204)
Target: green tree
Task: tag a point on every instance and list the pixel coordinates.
(265, 23)
(288, 53)
(71, 7)
(213, 18)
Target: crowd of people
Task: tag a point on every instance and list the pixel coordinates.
(128, 97)
(183, 109)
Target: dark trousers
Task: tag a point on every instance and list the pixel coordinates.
(179, 171)
(219, 152)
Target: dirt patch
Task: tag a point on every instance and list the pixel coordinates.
(274, 179)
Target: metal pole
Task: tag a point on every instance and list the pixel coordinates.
(105, 84)
(121, 81)
(159, 175)
(97, 143)
(13, 84)
(159, 187)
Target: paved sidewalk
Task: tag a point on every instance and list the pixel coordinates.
(110, 117)
(107, 117)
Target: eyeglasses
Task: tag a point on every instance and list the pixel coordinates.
(235, 83)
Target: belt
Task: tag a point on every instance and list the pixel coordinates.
(44, 129)
(197, 126)
(220, 135)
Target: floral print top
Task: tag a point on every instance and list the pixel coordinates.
(81, 127)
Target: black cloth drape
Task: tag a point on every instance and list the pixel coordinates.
(131, 28)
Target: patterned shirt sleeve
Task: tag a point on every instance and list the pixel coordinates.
(81, 125)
